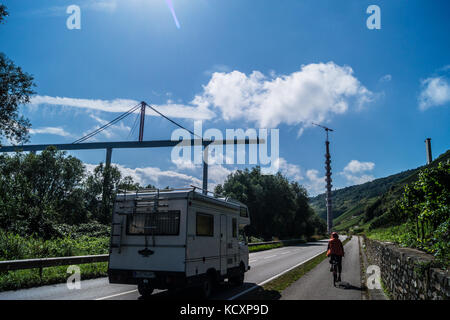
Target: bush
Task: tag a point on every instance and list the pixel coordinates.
(15, 247)
(92, 229)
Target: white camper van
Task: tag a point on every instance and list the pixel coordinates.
(166, 239)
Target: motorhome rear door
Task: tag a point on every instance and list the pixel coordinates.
(223, 244)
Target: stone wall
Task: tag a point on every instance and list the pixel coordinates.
(406, 272)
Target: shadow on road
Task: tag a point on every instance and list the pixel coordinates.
(261, 294)
(223, 291)
(348, 286)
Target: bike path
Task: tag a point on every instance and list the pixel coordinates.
(318, 283)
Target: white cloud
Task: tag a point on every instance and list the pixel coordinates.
(314, 93)
(217, 175)
(51, 130)
(121, 105)
(153, 175)
(435, 92)
(217, 68)
(315, 184)
(101, 5)
(353, 179)
(290, 170)
(356, 166)
(60, 10)
(185, 164)
(353, 172)
(162, 178)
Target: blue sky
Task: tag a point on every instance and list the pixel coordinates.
(242, 64)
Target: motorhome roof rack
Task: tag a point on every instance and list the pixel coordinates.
(207, 191)
(218, 196)
(159, 191)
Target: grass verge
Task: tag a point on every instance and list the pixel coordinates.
(27, 278)
(15, 247)
(272, 290)
(263, 247)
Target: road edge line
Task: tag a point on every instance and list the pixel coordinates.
(115, 295)
(272, 278)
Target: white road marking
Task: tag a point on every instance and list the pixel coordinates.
(284, 252)
(115, 295)
(270, 256)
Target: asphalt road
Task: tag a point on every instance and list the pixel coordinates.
(318, 283)
(264, 266)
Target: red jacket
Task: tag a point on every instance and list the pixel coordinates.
(335, 247)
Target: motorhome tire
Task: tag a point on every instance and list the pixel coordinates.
(238, 280)
(206, 287)
(145, 290)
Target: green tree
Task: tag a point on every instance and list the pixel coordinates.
(426, 204)
(278, 208)
(3, 13)
(15, 89)
(39, 191)
(108, 181)
(102, 181)
(44, 194)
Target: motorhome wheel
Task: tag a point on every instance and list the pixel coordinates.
(206, 288)
(145, 290)
(239, 279)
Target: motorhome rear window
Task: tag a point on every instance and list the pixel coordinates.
(234, 223)
(158, 223)
(205, 225)
(244, 212)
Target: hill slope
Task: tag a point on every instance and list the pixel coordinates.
(356, 205)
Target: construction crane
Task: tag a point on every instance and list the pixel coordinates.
(328, 180)
(326, 128)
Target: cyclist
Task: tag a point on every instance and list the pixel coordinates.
(336, 251)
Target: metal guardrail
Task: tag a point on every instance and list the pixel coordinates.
(40, 263)
(273, 242)
(50, 262)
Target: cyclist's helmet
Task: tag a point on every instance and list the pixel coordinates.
(334, 235)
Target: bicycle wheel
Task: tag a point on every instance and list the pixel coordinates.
(334, 275)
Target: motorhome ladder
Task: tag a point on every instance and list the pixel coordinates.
(116, 235)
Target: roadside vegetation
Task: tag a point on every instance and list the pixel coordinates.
(51, 207)
(264, 247)
(412, 211)
(28, 278)
(421, 217)
(13, 247)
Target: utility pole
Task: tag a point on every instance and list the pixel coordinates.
(328, 180)
(428, 149)
(141, 124)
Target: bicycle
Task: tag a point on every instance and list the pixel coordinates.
(334, 269)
